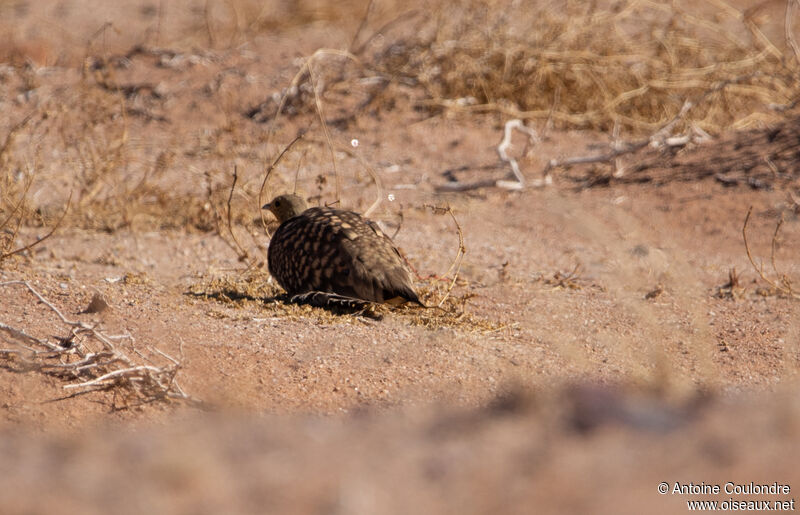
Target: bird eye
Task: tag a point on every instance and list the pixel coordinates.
(277, 203)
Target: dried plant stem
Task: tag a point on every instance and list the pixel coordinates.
(307, 69)
(294, 84)
(95, 370)
(462, 250)
(40, 240)
(12, 134)
(791, 12)
(659, 138)
(207, 21)
(271, 167)
(505, 144)
(17, 208)
(243, 254)
(774, 245)
(786, 286)
(324, 124)
(373, 175)
(362, 25)
(131, 373)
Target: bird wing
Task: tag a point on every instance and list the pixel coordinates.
(378, 270)
(337, 251)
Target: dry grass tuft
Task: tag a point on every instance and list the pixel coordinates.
(252, 288)
(83, 141)
(732, 289)
(249, 285)
(451, 312)
(235, 21)
(593, 65)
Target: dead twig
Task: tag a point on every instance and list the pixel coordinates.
(382, 30)
(294, 86)
(502, 151)
(361, 26)
(323, 123)
(40, 240)
(788, 27)
(12, 135)
(619, 148)
(73, 359)
(19, 207)
(370, 171)
(784, 284)
(271, 167)
(243, 254)
(462, 250)
(733, 288)
(660, 138)
(207, 22)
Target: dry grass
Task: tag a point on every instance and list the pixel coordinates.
(631, 65)
(232, 22)
(114, 182)
(579, 64)
(247, 285)
(253, 289)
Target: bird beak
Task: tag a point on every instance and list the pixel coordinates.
(266, 206)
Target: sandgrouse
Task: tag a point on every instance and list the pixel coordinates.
(336, 253)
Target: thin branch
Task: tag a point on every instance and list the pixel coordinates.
(294, 85)
(267, 174)
(321, 114)
(20, 335)
(116, 373)
(659, 138)
(243, 254)
(462, 250)
(12, 134)
(788, 27)
(40, 240)
(786, 287)
(14, 211)
(95, 370)
(774, 245)
(505, 144)
(362, 25)
(370, 171)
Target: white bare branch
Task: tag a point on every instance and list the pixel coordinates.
(94, 370)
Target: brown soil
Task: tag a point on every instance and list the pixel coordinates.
(591, 347)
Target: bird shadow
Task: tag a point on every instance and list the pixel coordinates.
(330, 302)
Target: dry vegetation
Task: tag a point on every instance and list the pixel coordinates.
(89, 359)
(633, 64)
(172, 137)
(630, 68)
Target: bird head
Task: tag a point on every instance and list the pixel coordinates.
(285, 207)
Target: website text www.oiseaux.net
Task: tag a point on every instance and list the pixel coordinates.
(730, 488)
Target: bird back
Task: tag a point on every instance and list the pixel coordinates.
(336, 251)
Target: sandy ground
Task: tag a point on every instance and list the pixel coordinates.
(591, 349)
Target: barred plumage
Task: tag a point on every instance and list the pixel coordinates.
(328, 250)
